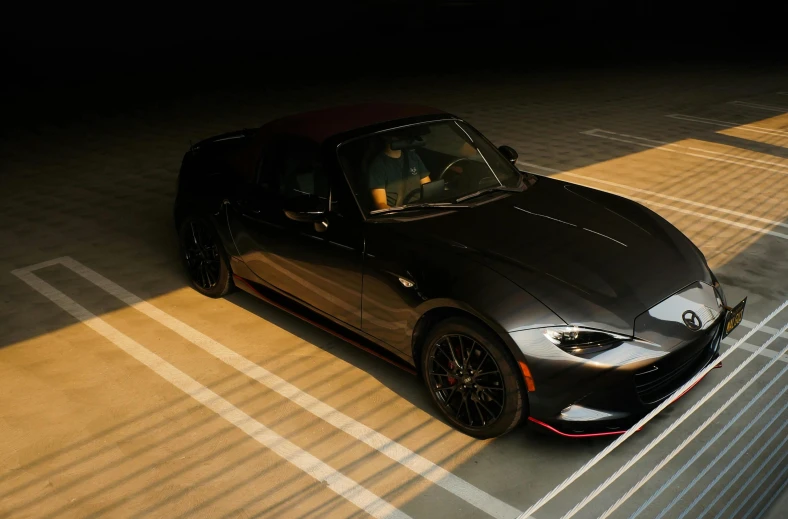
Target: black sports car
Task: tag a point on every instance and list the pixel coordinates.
(405, 231)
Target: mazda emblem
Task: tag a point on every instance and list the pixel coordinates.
(691, 320)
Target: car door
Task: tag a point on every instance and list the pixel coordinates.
(316, 263)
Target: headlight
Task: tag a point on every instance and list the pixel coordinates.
(580, 341)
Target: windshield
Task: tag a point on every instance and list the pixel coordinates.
(439, 163)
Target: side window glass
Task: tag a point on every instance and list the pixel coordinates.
(270, 166)
(302, 173)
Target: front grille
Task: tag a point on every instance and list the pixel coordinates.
(658, 381)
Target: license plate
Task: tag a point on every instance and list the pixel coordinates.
(734, 317)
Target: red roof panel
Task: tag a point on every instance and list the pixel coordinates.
(319, 125)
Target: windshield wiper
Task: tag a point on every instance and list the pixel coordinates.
(426, 205)
(488, 190)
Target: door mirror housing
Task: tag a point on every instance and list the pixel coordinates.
(509, 153)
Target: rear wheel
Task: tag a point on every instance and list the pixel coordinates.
(204, 260)
(472, 378)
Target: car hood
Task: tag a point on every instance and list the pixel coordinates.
(594, 258)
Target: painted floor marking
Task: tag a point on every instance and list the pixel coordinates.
(774, 495)
(334, 480)
(676, 199)
(696, 431)
(386, 446)
(724, 470)
(756, 490)
(765, 329)
(632, 430)
(776, 167)
(732, 223)
(675, 424)
(727, 124)
(769, 108)
(729, 484)
(752, 349)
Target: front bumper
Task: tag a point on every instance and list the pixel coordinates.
(611, 391)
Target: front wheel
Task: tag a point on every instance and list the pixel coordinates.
(203, 258)
(473, 379)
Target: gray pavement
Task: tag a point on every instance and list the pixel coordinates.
(91, 431)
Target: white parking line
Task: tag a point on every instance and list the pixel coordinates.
(769, 108)
(336, 481)
(672, 427)
(752, 457)
(720, 454)
(695, 432)
(728, 124)
(671, 207)
(757, 488)
(712, 218)
(607, 450)
(696, 152)
(386, 446)
(775, 495)
(752, 349)
(682, 200)
(765, 329)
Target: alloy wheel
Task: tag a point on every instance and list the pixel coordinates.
(466, 380)
(202, 255)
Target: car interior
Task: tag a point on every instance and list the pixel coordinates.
(357, 157)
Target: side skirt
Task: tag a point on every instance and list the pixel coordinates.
(321, 322)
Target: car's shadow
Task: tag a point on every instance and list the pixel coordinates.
(405, 385)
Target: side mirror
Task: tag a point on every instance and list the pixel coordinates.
(304, 209)
(509, 153)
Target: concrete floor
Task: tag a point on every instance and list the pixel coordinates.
(94, 424)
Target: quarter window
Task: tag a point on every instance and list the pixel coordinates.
(291, 167)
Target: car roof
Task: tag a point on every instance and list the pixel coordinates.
(319, 125)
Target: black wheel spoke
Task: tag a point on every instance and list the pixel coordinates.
(484, 373)
(437, 364)
(440, 374)
(479, 402)
(201, 254)
(498, 400)
(463, 395)
(466, 357)
(478, 410)
(459, 409)
(447, 399)
(204, 275)
(194, 235)
(486, 354)
(467, 410)
(451, 350)
(453, 392)
(440, 350)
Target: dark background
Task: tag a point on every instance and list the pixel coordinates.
(117, 52)
(68, 41)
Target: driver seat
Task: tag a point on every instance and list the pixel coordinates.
(374, 148)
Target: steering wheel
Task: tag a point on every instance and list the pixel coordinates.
(452, 164)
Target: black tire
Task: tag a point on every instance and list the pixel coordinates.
(487, 397)
(203, 257)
